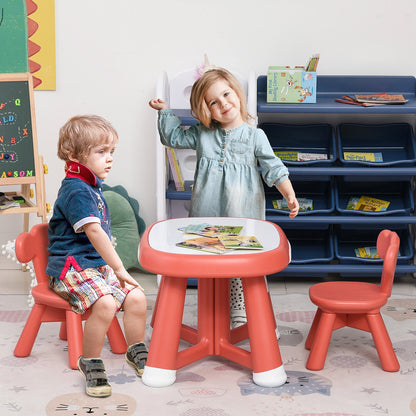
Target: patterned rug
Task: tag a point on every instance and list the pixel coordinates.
(351, 384)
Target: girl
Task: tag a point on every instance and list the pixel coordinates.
(83, 266)
(227, 182)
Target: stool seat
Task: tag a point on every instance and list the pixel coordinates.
(158, 253)
(347, 297)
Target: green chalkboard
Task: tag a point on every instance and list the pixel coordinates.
(18, 143)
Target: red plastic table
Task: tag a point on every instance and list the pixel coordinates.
(159, 254)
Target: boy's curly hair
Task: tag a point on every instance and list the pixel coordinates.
(81, 133)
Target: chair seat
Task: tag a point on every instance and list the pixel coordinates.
(49, 298)
(347, 297)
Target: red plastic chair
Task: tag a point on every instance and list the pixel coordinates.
(357, 305)
(49, 307)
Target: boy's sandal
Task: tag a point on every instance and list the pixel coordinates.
(136, 356)
(96, 379)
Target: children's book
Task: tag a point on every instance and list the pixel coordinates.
(367, 203)
(364, 156)
(305, 156)
(287, 155)
(367, 253)
(208, 244)
(381, 98)
(175, 169)
(208, 230)
(305, 204)
(240, 241)
(294, 156)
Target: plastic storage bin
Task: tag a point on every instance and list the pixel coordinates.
(310, 246)
(399, 194)
(395, 143)
(311, 138)
(348, 239)
(321, 193)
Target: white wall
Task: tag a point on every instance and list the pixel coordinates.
(108, 56)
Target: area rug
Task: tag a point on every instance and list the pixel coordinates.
(352, 382)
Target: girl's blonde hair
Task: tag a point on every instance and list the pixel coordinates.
(81, 133)
(199, 108)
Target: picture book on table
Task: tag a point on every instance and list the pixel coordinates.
(305, 204)
(208, 230)
(240, 241)
(208, 244)
(367, 203)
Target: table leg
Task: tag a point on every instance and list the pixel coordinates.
(160, 370)
(267, 363)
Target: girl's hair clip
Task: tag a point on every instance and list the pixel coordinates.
(205, 67)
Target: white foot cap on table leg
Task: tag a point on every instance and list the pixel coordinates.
(158, 377)
(271, 378)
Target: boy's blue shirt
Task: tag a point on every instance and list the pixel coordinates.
(80, 201)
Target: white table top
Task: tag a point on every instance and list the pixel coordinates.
(164, 235)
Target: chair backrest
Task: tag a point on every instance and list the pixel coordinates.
(388, 244)
(33, 246)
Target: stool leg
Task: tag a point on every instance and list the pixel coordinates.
(312, 331)
(75, 334)
(160, 370)
(116, 337)
(383, 343)
(320, 344)
(268, 368)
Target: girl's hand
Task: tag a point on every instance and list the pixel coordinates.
(158, 104)
(293, 205)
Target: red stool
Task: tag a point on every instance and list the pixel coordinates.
(357, 305)
(213, 336)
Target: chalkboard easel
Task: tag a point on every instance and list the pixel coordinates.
(20, 163)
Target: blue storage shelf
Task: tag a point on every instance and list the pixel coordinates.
(321, 193)
(399, 194)
(310, 246)
(348, 239)
(308, 138)
(330, 87)
(394, 141)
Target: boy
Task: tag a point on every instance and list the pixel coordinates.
(83, 265)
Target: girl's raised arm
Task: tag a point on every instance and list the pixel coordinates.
(158, 104)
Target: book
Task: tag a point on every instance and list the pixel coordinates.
(240, 242)
(175, 169)
(287, 155)
(364, 156)
(9, 204)
(208, 230)
(367, 203)
(370, 100)
(300, 156)
(208, 244)
(367, 252)
(304, 156)
(305, 204)
(381, 98)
